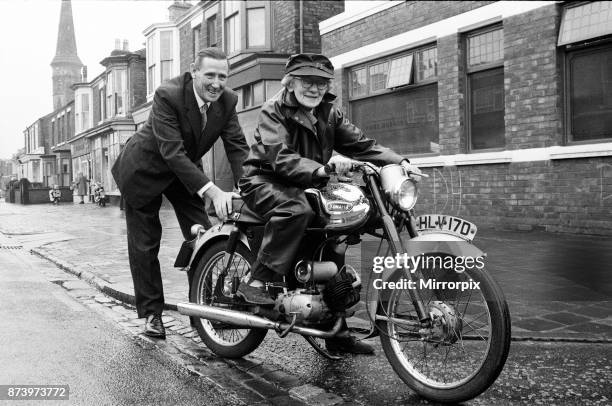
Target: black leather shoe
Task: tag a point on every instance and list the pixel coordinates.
(154, 326)
(348, 344)
(254, 295)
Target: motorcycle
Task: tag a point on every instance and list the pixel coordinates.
(445, 344)
(99, 195)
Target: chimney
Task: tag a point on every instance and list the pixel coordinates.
(125, 45)
(84, 74)
(178, 9)
(117, 43)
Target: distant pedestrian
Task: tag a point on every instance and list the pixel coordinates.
(81, 187)
(55, 194)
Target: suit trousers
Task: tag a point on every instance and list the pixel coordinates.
(287, 214)
(144, 233)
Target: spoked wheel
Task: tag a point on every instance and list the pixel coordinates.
(463, 350)
(319, 345)
(212, 287)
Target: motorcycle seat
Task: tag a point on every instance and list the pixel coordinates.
(242, 214)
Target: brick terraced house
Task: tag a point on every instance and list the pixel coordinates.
(506, 105)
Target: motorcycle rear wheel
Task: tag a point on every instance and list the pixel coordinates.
(456, 369)
(223, 339)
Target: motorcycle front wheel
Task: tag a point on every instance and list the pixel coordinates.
(223, 339)
(463, 351)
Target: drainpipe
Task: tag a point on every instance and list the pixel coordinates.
(301, 28)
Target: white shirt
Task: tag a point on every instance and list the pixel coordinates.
(201, 103)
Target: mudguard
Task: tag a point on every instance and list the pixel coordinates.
(209, 237)
(442, 243)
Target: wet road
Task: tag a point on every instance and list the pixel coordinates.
(48, 337)
(535, 373)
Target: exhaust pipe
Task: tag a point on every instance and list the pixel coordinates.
(241, 319)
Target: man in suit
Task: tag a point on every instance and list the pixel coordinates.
(189, 113)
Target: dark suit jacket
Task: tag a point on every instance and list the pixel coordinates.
(170, 146)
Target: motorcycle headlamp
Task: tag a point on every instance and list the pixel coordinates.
(400, 189)
(406, 195)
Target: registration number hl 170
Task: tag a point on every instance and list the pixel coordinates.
(447, 224)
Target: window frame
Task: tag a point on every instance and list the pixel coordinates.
(249, 88)
(151, 58)
(242, 16)
(388, 59)
(171, 59)
(582, 48)
(469, 71)
(211, 22)
(196, 34)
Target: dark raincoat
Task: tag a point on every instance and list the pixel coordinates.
(290, 145)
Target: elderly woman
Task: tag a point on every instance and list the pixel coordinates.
(296, 134)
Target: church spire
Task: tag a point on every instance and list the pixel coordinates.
(66, 64)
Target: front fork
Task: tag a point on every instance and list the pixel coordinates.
(397, 245)
(230, 249)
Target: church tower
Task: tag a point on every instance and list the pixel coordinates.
(66, 64)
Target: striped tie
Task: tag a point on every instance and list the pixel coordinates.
(204, 117)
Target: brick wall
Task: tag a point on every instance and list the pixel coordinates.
(186, 45)
(532, 79)
(138, 83)
(315, 12)
(393, 21)
(285, 15)
(568, 195)
(451, 99)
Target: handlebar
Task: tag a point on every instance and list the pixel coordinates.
(359, 165)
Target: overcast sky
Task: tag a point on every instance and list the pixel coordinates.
(28, 36)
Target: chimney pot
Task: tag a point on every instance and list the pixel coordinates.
(117, 43)
(125, 45)
(84, 74)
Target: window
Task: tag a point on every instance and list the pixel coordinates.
(246, 25)
(211, 31)
(485, 53)
(151, 58)
(256, 93)
(120, 81)
(590, 93)
(109, 95)
(378, 77)
(232, 26)
(84, 111)
(394, 100)
(165, 55)
(101, 102)
(358, 83)
(400, 71)
(256, 30)
(588, 70)
(585, 21)
(196, 41)
(68, 124)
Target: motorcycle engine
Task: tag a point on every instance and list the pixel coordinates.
(308, 307)
(339, 206)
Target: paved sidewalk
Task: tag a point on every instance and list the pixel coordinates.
(559, 287)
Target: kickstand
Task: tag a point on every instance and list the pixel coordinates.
(283, 333)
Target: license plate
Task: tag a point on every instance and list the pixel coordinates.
(447, 224)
